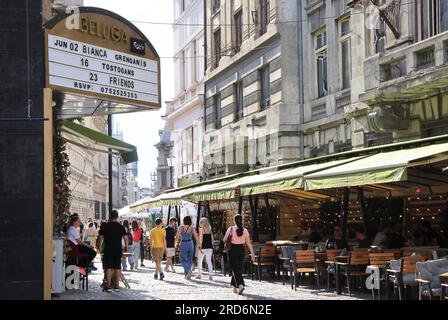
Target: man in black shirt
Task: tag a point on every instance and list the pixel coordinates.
(337, 241)
(170, 250)
(111, 234)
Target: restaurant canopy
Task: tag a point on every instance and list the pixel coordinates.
(382, 167)
(126, 151)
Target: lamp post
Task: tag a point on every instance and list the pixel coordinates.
(170, 161)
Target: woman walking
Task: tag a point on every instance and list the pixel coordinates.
(186, 233)
(136, 239)
(238, 237)
(130, 247)
(205, 247)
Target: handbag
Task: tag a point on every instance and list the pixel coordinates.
(228, 243)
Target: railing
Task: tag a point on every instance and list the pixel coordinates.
(426, 59)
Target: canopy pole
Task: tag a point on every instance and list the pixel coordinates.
(169, 215)
(362, 203)
(109, 133)
(271, 217)
(198, 216)
(254, 208)
(240, 205)
(177, 212)
(345, 208)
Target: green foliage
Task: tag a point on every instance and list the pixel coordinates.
(61, 193)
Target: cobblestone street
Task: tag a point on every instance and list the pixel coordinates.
(176, 287)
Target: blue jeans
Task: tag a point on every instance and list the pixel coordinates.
(136, 252)
(130, 259)
(186, 255)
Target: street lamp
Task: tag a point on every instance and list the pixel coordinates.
(170, 161)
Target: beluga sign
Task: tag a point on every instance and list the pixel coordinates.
(102, 56)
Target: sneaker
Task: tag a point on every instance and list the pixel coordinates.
(166, 269)
(235, 290)
(189, 275)
(241, 289)
(156, 276)
(210, 278)
(107, 289)
(142, 265)
(132, 267)
(162, 276)
(198, 277)
(116, 289)
(173, 270)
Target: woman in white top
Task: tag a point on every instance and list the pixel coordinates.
(90, 234)
(74, 237)
(240, 237)
(205, 247)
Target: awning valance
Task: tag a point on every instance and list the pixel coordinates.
(383, 167)
(173, 198)
(127, 151)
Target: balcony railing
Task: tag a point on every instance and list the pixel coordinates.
(426, 59)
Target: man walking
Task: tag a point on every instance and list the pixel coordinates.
(170, 250)
(112, 233)
(158, 247)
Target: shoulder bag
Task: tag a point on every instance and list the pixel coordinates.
(228, 243)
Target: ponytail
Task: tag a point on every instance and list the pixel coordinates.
(239, 222)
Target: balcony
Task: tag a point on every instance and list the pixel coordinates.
(414, 72)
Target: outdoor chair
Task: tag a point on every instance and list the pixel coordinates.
(428, 277)
(395, 252)
(427, 254)
(74, 257)
(330, 261)
(266, 257)
(402, 273)
(304, 262)
(355, 267)
(382, 261)
(287, 255)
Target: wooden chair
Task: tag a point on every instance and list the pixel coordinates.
(330, 261)
(395, 252)
(266, 257)
(74, 257)
(382, 261)
(304, 262)
(354, 267)
(407, 268)
(427, 254)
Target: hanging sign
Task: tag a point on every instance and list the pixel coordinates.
(98, 54)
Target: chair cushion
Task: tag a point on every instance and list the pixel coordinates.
(431, 270)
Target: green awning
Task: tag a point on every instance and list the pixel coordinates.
(127, 151)
(173, 198)
(285, 179)
(383, 167)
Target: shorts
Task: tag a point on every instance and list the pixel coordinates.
(112, 260)
(157, 254)
(170, 252)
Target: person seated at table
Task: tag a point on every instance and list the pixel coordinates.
(394, 239)
(315, 235)
(381, 236)
(74, 237)
(363, 241)
(337, 241)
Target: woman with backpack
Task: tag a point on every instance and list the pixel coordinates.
(130, 247)
(186, 233)
(235, 238)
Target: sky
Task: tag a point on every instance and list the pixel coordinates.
(142, 129)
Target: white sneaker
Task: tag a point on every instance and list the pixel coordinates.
(241, 289)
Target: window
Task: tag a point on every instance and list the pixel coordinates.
(217, 109)
(345, 53)
(217, 46)
(435, 12)
(265, 87)
(239, 101)
(380, 37)
(238, 30)
(321, 63)
(263, 9)
(216, 6)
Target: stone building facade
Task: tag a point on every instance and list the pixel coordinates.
(251, 113)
